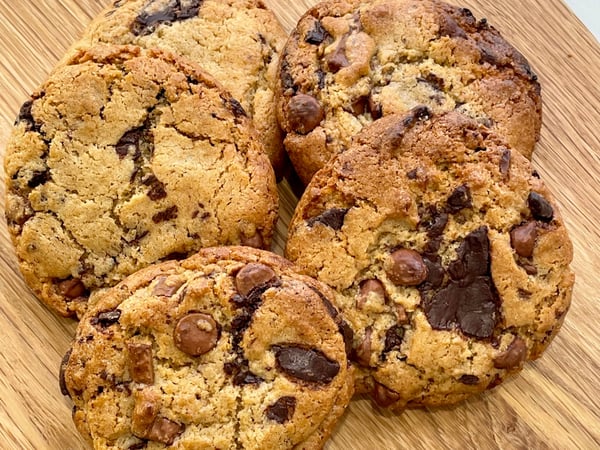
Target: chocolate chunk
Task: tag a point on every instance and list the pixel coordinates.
(165, 430)
(540, 208)
(196, 334)
(522, 239)
(255, 241)
(167, 287)
(155, 14)
(435, 271)
(316, 35)
(253, 275)
(505, 160)
(362, 353)
(401, 315)
(333, 218)
(474, 252)
(383, 396)
(459, 199)
(157, 188)
(369, 288)
(72, 288)
(359, 106)
(393, 338)
(141, 367)
(347, 334)
(405, 267)
(282, 410)
(129, 144)
(287, 80)
(38, 177)
(470, 380)
(25, 115)
(305, 113)
(306, 364)
(106, 319)
(168, 214)
(243, 377)
(235, 106)
(530, 269)
(61, 374)
(337, 60)
(513, 356)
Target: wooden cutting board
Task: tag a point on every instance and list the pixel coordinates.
(553, 404)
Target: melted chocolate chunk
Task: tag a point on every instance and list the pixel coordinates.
(168, 214)
(306, 364)
(72, 288)
(25, 115)
(157, 188)
(513, 356)
(433, 221)
(282, 410)
(383, 396)
(393, 338)
(459, 199)
(435, 272)
(316, 35)
(235, 106)
(173, 11)
(106, 319)
(38, 177)
(333, 218)
(540, 208)
(129, 144)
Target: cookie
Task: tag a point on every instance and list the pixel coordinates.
(350, 62)
(125, 157)
(230, 348)
(236, 41)
(448, 252)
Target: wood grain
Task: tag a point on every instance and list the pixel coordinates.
(553, 404)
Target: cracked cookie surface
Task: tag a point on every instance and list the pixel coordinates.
(348, 63)
(229, 349)
(448, 253)
(125, 157)
(236, 41)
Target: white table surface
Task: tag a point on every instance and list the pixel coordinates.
(588, 12)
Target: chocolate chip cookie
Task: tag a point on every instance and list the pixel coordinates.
(125, 157)
(236, 41)
(230, 348)
(349, 62)
(449, 253)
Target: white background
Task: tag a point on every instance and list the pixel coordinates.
(588, 12)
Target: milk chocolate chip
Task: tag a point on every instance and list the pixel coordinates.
(251, 276)
(522, 239)
(306, 364)
(514, 355)
(305, 113)
(141, 367)
(165, 430)
(282, 410)
(167, 287)
(405, 267)
(72, 288)
(196, 334)
(384, 396)
(370, 288)
(540, 208)
(362, 353)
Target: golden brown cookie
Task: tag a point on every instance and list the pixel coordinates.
(349, 62)
(231, 348)
(236, 41)
(125, 157)
(448, 252)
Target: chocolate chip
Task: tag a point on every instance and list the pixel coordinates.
(522, 239)
(38, 177)
(505, 160)
(540, 208)
(306, 364)
(165, 430)
(141, 366)
(72, 288)
(157, 188)
(235, 106)
(333, 218)
(470, 380)
(405, 267)
(61, 375)
(196, 334)
(369, 288)
(129, 144)
(167, 287)
(316, 35)
(106, 318)
(167, 214)
(393, 338)
(412, 174)
(253, 275)
(25, 115)
(305, 113)
(383, 396)
(244, 377)
(282, 410)
(153, 14)
(530, 269)
(359, 106)
(337, 60)
(287, 80)
(459, 199)
(362, 353)
(513, 356)
(255, 241)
